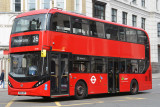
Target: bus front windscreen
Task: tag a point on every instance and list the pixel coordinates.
(29, 23)
(27, 65)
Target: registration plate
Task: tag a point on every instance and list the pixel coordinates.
(22, 93)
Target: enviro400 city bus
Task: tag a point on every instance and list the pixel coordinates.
(55, 53)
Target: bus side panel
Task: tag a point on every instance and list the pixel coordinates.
(144, 81)
(125, 81)
(96, 83)
(147, 79)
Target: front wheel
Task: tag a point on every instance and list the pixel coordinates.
(134, 87)
(80, 90)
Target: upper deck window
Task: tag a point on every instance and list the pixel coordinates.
(141, 37)
(111, 31)
(131, 35)
(80, 26)
(29, 23)
(97, 29)
(60, 23)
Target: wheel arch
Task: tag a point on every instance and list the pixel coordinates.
(84, 83)
(131, 83)
(134, 80)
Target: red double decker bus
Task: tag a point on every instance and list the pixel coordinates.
(56, 53)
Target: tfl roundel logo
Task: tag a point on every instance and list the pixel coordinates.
(93, 79)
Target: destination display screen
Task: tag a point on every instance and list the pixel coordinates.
(27, 40)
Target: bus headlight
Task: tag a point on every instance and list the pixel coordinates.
(39, 83)
(9, 83)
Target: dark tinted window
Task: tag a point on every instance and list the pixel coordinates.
(81, 64)
(128, 66)
(122, 65)
(122, 33)
(141, 66)
(99, 9)
(60, 23)
(111, 31)
(131, 35)
(132, 66)
(141, 37)
(97, 29)
(98, 65)
(80, 26)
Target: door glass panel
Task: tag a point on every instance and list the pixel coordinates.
(116, 74)
(110, 74)
(54, 74)
(64, 73)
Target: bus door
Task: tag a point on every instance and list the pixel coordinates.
(59, 74)
(113, 75)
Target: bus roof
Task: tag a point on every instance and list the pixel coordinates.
(43, 11)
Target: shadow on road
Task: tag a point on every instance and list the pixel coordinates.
(42, 100)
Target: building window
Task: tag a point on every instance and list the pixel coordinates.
(134, 20)
(78, 6)
(143, 23)
(134, 1)
(158, 28)
(45, 4)
(143, 3)
(31, 5)
(99, 9)
(124, 18)
(17, 5)
(60, 4)
(114, 15)
(157, 1)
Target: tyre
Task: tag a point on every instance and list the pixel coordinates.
(80, 90)
(134, 87)
(46, 98)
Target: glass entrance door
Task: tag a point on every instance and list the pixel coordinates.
(113, 75)
(59, 73)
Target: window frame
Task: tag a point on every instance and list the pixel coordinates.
(28, 4)
(134, 20)
(79, 9)
(143, 3)
(114, 15)
(99, 4)
(13, 5)
(143, 21)
(42, 2)
(134, 1)
(158, 29)
(124, 18)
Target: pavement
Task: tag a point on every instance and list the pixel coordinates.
(154, 76)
